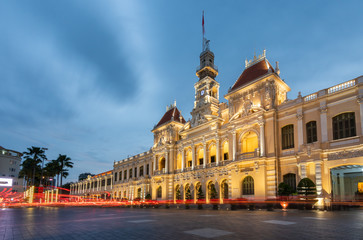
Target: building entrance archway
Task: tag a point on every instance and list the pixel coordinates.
(347, 183)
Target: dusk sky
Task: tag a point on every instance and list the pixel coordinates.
(90, 79)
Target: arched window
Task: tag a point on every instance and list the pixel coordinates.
(139, 193)
(311, 133)
(249, 142)
(287, 136)
(290, 179)
(159, 192)
(189, 158)
(212, 153)
(200, 156)
(225, 150)
(344, 125)
(248, 186)
(224, 188)
(162, 164)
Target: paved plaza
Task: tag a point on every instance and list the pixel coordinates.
(125, 223)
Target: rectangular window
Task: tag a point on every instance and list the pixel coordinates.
(115, 177)
(125, 174)
(311, 132)
(120, 175)
(147, 169)
(103, 182)
(108, 181)
(287, 136)
(212, 159)
(344, 125)
(225, 156)
(189, 163)
(130, 173)
(200, 161)
(141, 171)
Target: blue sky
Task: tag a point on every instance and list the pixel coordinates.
(91, 78)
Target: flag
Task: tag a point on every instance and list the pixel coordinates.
(203, 23)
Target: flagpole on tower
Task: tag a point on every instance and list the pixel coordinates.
(203, 42)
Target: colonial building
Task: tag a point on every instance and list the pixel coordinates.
(9, 171)
(245, 147)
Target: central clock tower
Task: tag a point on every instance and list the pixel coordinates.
(206, 104)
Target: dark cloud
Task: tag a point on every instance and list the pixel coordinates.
(82, 32)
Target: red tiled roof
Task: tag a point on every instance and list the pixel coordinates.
(171, 113)
(253, 72)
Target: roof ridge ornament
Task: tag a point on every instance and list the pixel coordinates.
(255, 59)
(171, 106)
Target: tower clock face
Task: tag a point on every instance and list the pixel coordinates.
(202, 92)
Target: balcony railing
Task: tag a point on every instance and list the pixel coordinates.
(341, 86)
(209, 165)
(159, 172)
(310, 97)
(225, 162)
(198, 167)
(207, 64)
(248, 155)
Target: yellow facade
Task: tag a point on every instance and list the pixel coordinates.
(248, 145)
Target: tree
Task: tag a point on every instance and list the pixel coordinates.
(33, 157)
(64, 164)
(212, 192)
(284, 189)
(200, 194)
(51, 169)
(177, 194)
(188, 195)
(27, 170)
(306, 187)
(83, 176)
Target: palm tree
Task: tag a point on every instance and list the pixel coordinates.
(33, 158)
(51, 169)
(64, 164)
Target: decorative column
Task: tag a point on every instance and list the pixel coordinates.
(172, 160)
(318, 178)
(303, 170)
(300, 134)
(154, 167)
(217, 151)
(234, 145)
(323, 122)
(360, 101)
(183, 159)
(204, 154)
(262, 137)
(166, 161)
(193, 156)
